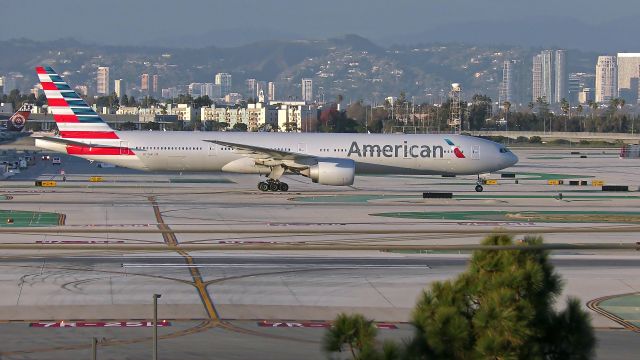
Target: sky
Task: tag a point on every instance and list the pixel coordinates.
(232, 22)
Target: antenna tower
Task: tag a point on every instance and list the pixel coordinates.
(455, 117)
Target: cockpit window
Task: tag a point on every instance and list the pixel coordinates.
(504, 150)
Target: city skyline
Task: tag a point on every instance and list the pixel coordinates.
(507, 73)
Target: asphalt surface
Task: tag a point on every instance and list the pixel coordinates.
(23, 342)
(270, 261)
(268, 284)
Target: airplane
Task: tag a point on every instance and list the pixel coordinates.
(16, 122)
(325, 158)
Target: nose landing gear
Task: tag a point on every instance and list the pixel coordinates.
(273, 185)
(479, 187)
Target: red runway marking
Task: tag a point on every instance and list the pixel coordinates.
(313, 324)
(76, 324)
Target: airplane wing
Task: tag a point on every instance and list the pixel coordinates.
(269, 156)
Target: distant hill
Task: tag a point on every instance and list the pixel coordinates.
(352, 66)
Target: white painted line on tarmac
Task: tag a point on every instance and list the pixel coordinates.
(263, 266)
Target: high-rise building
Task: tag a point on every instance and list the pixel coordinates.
(578, 82)
(307, 90)
(170, 93)
(271, 91)
(119, 88)
(628, 76)
(539, 88)
(154, 83)
(560, 76)
(12, 81)
(1, 85)
(102, 81)
(144, 83)
(585, 96)
(509, 89)
(574, 87)
(224, 80)
(550, 76)
(195, 89)
(251, 87)
(606, 79)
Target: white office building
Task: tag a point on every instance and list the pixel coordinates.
(102, 80)
(224, 80)
(629, 76)
(560, 76)
(271, 91)
(307, 90)
(550, 76)
(606, 79)
(120, 88)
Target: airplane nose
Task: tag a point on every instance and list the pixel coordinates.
(513, 159)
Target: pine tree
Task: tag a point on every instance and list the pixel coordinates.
(501, 307)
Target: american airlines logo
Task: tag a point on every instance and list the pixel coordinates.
(456, 150)
(404, 150)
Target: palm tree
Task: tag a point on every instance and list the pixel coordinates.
(580, 109)
(594, 107)
(531, 105)
(506, 106)
(543, 110)
(566, 108)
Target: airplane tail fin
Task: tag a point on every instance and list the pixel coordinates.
(75, 119)
(19, 119)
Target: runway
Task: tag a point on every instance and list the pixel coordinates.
(260, 261)
(80, 271)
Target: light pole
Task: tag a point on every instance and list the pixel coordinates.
(155, 325)
(94, 348)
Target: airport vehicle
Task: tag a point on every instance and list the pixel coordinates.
(56, 161)
(329, 159)
(17, 121)
(46, 157)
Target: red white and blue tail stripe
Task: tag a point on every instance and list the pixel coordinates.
(75, 119)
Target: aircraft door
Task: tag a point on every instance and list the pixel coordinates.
(475, 152)
(212, 149)
(124, 147)
(302, 148)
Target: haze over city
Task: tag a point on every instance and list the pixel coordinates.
(572, 24)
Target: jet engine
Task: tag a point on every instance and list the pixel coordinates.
(330, 171)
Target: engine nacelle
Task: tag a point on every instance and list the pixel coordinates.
(330, 171)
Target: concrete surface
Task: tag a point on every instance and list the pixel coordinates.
(238, 287)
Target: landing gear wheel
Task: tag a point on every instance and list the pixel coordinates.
(283, 187)
(479, 188)
(263, 186)
(273, 186)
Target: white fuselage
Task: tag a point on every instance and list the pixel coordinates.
(372, 153)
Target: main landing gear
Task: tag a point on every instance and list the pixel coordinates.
(479, 187)
(272, 185)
